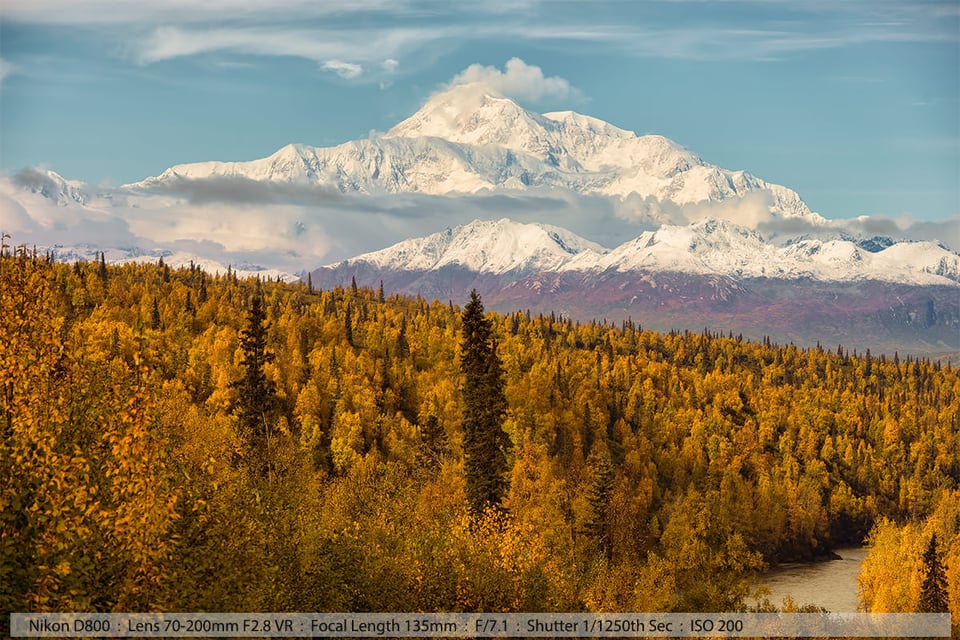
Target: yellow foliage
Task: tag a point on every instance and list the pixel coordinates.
(125, 484)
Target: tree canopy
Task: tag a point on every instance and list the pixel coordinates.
(634, 470)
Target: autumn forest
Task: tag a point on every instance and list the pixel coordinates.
(179, 441)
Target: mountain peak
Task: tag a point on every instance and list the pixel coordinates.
(51, 185)
(472, 114)
(710, 247)
(470, 139)
(485, 246)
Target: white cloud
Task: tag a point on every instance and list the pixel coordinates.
(518, 80)
(389, 67)
(751, 210)
(5, 70)
(946, 231)
(346, 70)
(294, 227)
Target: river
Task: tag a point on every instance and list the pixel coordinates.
(831, 584)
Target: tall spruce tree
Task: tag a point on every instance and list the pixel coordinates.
(484, 407)
(933, 589)
(257, 401)
(155, 320)
(599, 495)
(102, 268)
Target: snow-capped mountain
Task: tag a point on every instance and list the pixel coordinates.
(52, 186)
(485, 246)
(467, 140)
(709, 247)
(286, 212)
(877, 294)
(721, 247)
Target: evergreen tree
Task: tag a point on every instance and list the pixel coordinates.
(380, 297)
(484, 407)
(257, 398)
(933, 589)
(599, 493)
(403, 347)
(155, 315)
(348, 324)
(102, 268)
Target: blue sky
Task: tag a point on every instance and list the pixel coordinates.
(855, 105)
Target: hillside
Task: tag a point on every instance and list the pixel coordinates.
(647, 471)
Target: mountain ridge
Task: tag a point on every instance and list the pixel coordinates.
(467, 140)
(709, 247)
(696, 268)
(885, 296)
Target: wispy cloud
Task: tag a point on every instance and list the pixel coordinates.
(6, 69)
(166, 43)
(718, 42)
(365, 32)
(92, 12)
(348, 53)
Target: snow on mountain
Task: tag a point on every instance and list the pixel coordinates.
(483, 246)
(52, 186)
(466, 140)
(469, 115)
(721, 247)
(926, 257)
(400, 165)
(709, 247)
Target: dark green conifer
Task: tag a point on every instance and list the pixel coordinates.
(599, 494)
(348, 324)
(257, 400)
(155, 315)
(933, 589)
(484, 407)
(403, 347)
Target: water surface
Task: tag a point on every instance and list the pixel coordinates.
(831, 584)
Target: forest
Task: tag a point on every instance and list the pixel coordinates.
(180, 441)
